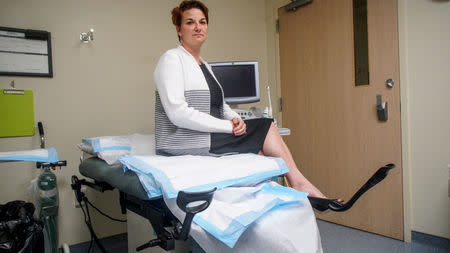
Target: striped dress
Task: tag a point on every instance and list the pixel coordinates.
(182, 108)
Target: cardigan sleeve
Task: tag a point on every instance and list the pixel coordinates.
(169, 80)
(228, 113)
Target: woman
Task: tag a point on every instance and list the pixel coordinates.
(191, 116)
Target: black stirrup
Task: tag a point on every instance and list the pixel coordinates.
(337, 205)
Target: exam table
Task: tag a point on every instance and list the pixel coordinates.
(133, 197)
(166, 226)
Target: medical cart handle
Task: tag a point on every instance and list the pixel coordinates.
(191, 203)
(338, 206)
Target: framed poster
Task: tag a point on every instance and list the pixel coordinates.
(25, 52)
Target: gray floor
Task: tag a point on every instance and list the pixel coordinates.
(113, 244)
(335, 239)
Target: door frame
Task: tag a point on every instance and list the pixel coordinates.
(273, 47)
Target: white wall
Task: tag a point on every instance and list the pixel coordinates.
(106, 87)
(424, 27)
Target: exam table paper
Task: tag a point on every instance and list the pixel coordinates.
(36, 155)
(233, 209)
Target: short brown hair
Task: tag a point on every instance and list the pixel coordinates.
(177, 12)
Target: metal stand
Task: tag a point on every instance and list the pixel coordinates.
(166, 226)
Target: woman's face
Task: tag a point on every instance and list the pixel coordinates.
(194, 28)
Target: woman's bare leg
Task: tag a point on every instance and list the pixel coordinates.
(275, 146)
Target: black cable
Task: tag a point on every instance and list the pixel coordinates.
(92, 229)
(104, 214)
(87, 220)
(90, 244)
(89, 226)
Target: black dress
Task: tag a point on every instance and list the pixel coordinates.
(250, 142)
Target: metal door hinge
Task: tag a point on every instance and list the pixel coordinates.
(277, 26)
(295, 4)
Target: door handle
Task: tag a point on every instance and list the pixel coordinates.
(382, 109)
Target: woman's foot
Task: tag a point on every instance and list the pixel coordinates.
(310, 189)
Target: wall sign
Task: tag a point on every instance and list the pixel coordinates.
(25, 52)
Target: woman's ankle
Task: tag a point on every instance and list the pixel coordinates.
(310, 189)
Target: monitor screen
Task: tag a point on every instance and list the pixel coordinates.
(239, 80)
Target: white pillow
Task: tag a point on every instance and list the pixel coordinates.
(108, 148)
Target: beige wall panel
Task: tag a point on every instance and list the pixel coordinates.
(427, 58)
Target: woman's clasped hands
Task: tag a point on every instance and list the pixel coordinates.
(239, 126)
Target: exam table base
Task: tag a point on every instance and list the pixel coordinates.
(139, 230)
(155, 211)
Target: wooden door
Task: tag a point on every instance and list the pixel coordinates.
(336, 138)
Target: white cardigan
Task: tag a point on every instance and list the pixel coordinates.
(183, 98)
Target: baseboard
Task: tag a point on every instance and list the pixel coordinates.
(432, 240)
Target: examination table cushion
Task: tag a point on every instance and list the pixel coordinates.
(114, 175)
